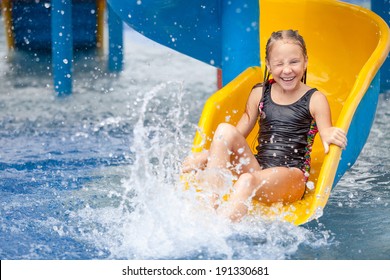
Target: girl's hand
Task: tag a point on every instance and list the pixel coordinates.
(195, 161)
(333, 135)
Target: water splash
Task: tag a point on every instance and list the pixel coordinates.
(147, 215)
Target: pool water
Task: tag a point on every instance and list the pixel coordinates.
(95, 175)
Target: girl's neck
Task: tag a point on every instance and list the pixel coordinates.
(298, 90)
(282, 96)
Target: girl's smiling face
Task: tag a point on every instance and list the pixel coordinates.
(287, 63)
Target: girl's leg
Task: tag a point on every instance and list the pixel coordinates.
(228, 143)
(277, 184)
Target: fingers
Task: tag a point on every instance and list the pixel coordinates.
(335, 136)
(194, 162)
(185, 168)
(326, 147)
(188, 164)
(340, 139)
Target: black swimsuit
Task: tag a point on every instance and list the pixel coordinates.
(286, 132)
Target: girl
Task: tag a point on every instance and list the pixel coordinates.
(289, 114)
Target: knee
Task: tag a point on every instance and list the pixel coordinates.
(225, 131)
(246, 184)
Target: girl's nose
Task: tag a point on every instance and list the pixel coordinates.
(287, 70)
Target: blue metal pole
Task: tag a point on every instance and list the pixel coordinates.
(62, 45)
(115, 38)
(382, 8)
(238, 36)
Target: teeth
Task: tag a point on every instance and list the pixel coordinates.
(288, 79)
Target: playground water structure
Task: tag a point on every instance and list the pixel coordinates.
(93, 176)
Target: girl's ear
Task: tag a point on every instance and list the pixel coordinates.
(268, 66)
(306, 62)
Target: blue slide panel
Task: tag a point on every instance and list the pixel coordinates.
(190, 27)
(360, 128)
(221, 33)
(382, 8)
(32, 24)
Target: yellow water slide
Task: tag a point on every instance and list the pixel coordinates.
(346, 45)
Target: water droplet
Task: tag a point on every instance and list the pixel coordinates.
(310, 185)
(244, 161)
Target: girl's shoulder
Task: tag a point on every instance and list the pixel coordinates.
(258, 85)
(257, 90)
(318, 102)
(255, 95)
(266, 84)
(318, 96)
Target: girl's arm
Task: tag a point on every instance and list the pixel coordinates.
(320, 110)
(245, 125)
(249, 118)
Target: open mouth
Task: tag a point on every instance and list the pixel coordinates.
(287, 79)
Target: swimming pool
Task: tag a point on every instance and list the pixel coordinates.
(95, 175)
